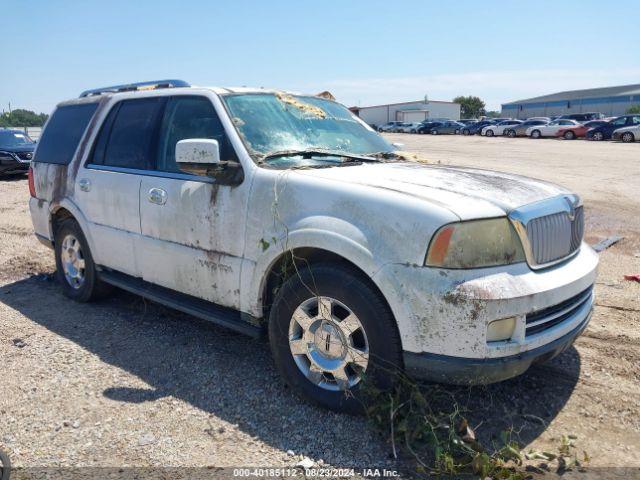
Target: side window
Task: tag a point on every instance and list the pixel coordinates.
(189, 117)
(125, 139)
(620, 121)
(63, 132)
(635, 120)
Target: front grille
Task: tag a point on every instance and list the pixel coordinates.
(553, 237)
(546, 318)
(27, 156)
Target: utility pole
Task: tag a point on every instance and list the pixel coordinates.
(9, 108)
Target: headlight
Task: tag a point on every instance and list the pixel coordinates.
(475, 244)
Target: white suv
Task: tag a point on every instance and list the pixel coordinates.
(268, 211)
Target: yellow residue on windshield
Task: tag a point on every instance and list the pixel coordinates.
(302, 106)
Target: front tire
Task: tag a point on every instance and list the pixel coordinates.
(434, 132)
(489, 133)
(75, 269)
(627, 137)
(536, 134)
(511, 133)
(465, 131)
(598, 136)
(327, 327)
(569, 135)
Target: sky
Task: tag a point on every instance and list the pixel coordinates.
(364, 52)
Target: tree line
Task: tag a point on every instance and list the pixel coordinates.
(22, 118)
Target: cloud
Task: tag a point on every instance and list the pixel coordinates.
(494, 88)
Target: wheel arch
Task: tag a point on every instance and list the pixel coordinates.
(67, 209)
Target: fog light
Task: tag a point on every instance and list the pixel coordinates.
(501, 329)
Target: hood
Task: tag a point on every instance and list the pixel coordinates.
(22, 148)
(467, 192)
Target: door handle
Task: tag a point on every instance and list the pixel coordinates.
(85, 185)
(157, 196)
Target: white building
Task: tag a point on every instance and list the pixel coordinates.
(408, 112)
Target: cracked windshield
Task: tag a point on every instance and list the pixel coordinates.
(290, 131)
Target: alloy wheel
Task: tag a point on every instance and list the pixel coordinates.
(328, 343)
(73, 263)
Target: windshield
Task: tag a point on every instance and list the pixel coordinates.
(14, 139)
(271, 123)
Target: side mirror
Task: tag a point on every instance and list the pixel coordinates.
(201, 156)
(197, 152)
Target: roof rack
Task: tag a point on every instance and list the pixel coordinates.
(131, 87)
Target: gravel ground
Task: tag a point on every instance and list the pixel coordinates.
(125, 382)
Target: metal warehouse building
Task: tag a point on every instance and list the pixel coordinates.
(408, 112)
(611, 101)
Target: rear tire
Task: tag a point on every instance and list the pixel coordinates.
(324, 344)
(627, 137)
(598, 136)
(489, 133)
(75, 269)
(511, 133)
(465, 131)
(569, 135)
(434, 132)
(536, 134)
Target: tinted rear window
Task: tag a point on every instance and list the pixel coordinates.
(63, 132)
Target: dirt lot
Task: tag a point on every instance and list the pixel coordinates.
(126, 382)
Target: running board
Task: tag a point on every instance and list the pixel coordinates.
(225, 317)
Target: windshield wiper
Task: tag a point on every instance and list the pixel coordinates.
(319, 152)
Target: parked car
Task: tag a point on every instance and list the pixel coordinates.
(499, 129)
(16, 151)
(425, 127)
(447, 128)
(627, 134)
(604, 132)
(578, 131)
(467, 121)
(408, 127)
(388, 127)
(476, 128)
(583, 117)
(521, 129)
(550, 129)
(399, 127)
(171, 192)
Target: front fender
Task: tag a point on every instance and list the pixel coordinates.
(348, 242)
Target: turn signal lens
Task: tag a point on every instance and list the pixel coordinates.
(440, 246)
(32, 184)
(501, 329)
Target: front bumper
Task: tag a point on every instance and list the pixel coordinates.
(446, 313)
(8, 167)
(464, 371)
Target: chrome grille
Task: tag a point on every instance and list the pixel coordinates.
(550, 230)
(555, 236)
